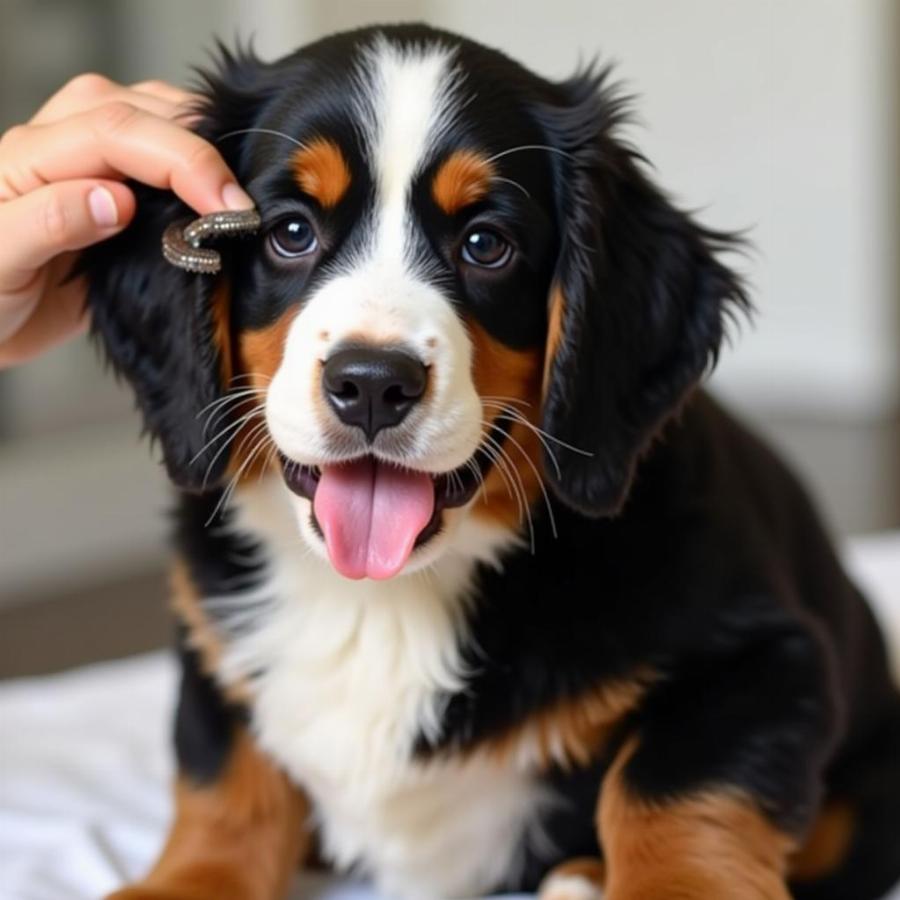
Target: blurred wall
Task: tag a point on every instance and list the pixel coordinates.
(780, 117)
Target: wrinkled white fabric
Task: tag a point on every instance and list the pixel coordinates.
(85, 764)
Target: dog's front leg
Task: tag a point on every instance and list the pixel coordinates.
(240, 828)
(714, 844)
(722, 775)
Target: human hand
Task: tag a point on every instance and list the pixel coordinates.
(61, 190)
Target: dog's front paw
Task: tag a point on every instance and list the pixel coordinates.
(577, 879)
(217, 887)
(138, 892)
(695, 885)
(569, 887)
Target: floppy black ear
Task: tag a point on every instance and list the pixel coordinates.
(161, 327)
(155, 323)
(638, 303)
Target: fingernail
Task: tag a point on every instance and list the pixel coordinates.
(103, 207)
(235, 197)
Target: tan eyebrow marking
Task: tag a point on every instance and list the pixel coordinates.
(322, 172)
(462, 179)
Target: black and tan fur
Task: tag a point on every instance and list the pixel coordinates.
(681, 660)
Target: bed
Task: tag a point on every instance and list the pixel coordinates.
(84, 764)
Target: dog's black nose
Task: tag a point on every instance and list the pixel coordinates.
(371, 388)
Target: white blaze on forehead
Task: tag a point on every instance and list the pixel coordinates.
(410, 101)
(405, 99)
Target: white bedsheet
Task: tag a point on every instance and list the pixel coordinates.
(84, 765)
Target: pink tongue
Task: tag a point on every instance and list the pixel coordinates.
(371, 515)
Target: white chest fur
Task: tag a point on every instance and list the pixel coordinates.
(352, 673)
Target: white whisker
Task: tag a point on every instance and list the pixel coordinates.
(520, 418)
(506, 399)
(270, 459)
(516, 480)
(489, 425)
(540, 481)
(235, 479)
(222, 407)
(249, 375)
(230, 397)
(513, 487)
(522, 147)
(271, 131)
(512, 415)
(250, 436)
(227, 430)
(515, 184)
(244, 420)
(479, 477)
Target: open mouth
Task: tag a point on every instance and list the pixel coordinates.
(372, 515)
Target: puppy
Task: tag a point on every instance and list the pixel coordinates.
(476, 590)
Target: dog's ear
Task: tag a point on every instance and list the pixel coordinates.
(157, 326)
(165, 330)
(638, 304)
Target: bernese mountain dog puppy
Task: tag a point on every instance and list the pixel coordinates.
(475, 590)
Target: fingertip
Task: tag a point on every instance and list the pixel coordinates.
(111, 204)
(102, 205)
(126, 203)
(235, 197)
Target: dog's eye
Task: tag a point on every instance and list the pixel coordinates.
(486, 248)
(293, 237)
